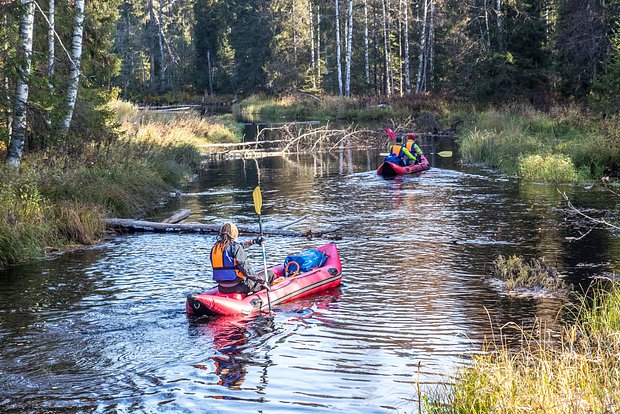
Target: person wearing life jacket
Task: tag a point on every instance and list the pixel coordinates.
(413, 148)
(401, 152)
(231, 269)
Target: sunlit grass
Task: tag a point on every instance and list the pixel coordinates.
(170, 127)
(579, 372)
(563, 145)
(324, 107)
(58, 199)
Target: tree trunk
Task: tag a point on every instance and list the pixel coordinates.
(349, 42)
(390, 57)
(313, 57)
(18, 129)
(400, 48)
(210, 72)
(160, 39)
(388, 91)
(76, 56)
(431, 46)
(421, 62)
(407, 68)
(338, 62)
(487, 35)
(150, 37)
(366, 51)
(318, 45)
(51, 43)
(498, 12)
(295, 33)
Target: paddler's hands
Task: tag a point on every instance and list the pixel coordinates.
(259, 240)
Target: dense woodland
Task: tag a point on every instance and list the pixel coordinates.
(61, 60)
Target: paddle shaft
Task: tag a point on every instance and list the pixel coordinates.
(260, 227)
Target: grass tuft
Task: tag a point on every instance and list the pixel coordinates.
(517, 272)
(577, 371)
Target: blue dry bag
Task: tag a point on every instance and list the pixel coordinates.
(393, 159)
(304, 261)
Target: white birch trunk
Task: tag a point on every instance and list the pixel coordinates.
(210, 72)
(407, 68)
(366, 48)
(400, 48)
(313, 58)
(5, 81)
(318, 44)
(431, 45)
(498, 12)
(51, 42)
(338, 63)
(160, 38)
(295, 32)
(18, 128)
(421, 62)
(391, 65)
(486, 23)
(388, 91)
(76, 56)
(349, 42)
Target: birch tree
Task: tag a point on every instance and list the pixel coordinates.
(422, 60)
(312, 55)
(388, 90)
(338, 60)
(51, 42)
(366, 48)
(406, 57)
(76, 56)
(349, 42)
(18, 129)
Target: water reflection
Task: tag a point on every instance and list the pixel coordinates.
(105, 330)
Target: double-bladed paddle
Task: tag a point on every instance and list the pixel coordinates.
(258, 204)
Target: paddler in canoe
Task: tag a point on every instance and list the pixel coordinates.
(399, 154)
(231, 269)
(413, 148)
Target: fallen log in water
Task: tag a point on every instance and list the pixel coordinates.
(131, 226)
(178, 216)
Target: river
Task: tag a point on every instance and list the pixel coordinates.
(105, 330)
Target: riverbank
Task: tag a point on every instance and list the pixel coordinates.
(565, 144)
(59, 200)
(306, 106)
(574, 371)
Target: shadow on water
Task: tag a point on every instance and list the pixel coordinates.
(104, 330)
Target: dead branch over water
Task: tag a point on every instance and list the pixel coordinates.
(294, 138)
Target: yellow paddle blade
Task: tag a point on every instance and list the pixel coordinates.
(258, 199)
(445, 153)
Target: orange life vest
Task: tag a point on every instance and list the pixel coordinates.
(397, 150)
(225, 266)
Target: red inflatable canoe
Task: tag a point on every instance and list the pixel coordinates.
(389, 169)
(283, 290)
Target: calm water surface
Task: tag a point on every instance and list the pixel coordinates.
(105, 330)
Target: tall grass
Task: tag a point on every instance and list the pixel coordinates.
(325, 107)
(577, 373)
(563, 145)
(59, 199)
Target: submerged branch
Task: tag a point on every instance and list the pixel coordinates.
(582, 214)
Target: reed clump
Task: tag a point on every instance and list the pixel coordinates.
(517, 272)
(577, 372)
